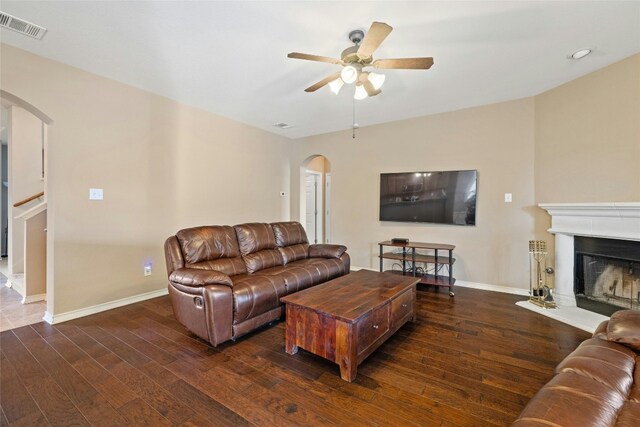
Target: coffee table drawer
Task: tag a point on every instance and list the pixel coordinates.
(402, 306)
(372, 327)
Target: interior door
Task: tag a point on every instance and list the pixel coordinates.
(313, 212)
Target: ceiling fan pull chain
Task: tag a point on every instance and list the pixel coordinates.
(353, 135)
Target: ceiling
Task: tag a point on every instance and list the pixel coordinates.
(230, 57)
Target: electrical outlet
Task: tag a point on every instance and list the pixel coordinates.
(147, 270)
(96, 194)
(508, 197)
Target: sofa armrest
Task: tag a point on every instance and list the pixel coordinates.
(197, 277)
(326, 251)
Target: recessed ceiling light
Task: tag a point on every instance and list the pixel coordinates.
(282, 125)
(579, 54)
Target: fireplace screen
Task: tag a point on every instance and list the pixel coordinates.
(611, 281)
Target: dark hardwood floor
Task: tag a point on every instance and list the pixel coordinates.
(474, 360)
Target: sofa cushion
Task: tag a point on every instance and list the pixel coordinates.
(258, 246)
(624, 328)
(291, 240)
(326, 251)
(254, 295)
(196, 277)
(634, 394)
(208, 243)
(603, 362)
(255, 237)
(228, 266)
(289, 233)
(629, 415)
(570, 399)
(295, 278)
(262, 259)
(327, 268)
(294, 252)
(211, 248)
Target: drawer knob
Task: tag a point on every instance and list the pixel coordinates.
(375, 326)
(405, 305)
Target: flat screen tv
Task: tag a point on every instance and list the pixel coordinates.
(446, 197)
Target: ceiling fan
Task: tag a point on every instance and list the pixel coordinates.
(355, 58)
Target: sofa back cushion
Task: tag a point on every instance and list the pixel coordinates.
(211, 248)
(258, 246)
(291, 240)
(624, 328)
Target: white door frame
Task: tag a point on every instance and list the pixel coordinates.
(327, 211)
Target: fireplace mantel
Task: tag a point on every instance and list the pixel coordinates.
(616, 220)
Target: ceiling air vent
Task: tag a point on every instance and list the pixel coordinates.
(22, 26)
(282, 125)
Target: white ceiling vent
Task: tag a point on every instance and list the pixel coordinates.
(22, 26)
(282, 125)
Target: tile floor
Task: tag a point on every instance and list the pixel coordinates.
(13, 313)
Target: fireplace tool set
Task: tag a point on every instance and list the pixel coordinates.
(539, 292)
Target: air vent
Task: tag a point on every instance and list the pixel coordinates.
(282, 125)
(22, 26)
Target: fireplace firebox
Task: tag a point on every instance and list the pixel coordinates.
(607, 274)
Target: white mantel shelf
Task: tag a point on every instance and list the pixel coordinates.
(615, 220)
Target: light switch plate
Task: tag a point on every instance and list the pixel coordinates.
(508, 197)
(95, 194)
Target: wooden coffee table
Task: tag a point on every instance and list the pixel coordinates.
(346, 319)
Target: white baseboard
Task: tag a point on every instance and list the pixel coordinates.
(70, 315)
(34, 298)
(474, 285)
(493, 288)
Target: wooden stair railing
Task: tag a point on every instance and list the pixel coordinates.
(28, 199)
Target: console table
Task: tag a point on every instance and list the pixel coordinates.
(408, 254)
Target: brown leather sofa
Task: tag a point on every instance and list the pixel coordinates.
(227, 281)
(596, 385)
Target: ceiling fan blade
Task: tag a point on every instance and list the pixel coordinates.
(404, 63)
(297, 55)
(371, 91)
(372, 40)
(322, 82)
(368, 86)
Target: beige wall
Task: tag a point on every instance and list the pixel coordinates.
(588, 137)
(163, 166)
(25, 177)
(497, 140)
(588, 140)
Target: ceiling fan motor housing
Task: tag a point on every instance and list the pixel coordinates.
(350, 56)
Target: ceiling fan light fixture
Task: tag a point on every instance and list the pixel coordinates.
(377, 80)
(579, 54)
(361, 92)
(349, 74)
(336, 85)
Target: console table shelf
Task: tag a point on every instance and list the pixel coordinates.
(409, 255)
(419, 258)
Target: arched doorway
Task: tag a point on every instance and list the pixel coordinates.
(26, 241)
(315, 198)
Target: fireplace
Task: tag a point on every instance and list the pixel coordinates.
(607, 274)
(611, 222)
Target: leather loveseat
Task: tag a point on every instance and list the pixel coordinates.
(596, 385)
(227, 281)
